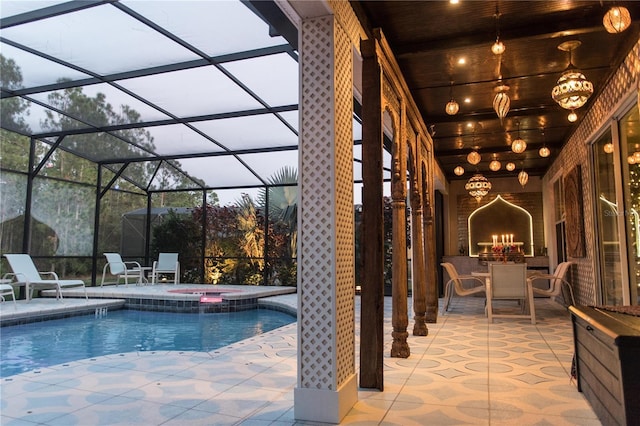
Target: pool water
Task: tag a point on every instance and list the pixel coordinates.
(42, 344)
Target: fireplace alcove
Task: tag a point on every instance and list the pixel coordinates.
(500, 217)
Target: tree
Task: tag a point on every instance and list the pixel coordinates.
(179, 234)
(13, 109)
(283, 204)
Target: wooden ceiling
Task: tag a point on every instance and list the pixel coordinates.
(429, 37)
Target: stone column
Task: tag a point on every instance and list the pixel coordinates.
(327, 386)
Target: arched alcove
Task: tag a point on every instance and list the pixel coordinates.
(500, 217)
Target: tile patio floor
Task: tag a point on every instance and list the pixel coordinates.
(465, 371)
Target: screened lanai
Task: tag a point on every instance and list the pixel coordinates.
(110, 108)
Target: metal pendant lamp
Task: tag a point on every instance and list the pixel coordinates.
(478, 186)
(572, 89)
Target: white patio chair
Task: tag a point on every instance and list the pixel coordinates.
(26, 272)
(167, 264)
(6, 289)
(120, 269)
(454, 285)
(509, 282)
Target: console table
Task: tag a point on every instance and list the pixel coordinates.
(607, 356)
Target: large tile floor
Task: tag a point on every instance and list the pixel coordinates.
(465, 371)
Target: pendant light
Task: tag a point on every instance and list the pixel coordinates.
(498, 47)
(523, 178)
(501, 100)
(544, 152)
(519, 145)
(478, 186)
(616, 20)
(572, 89)
(452, 106)
(495, 165)
(473, 157)
(459, 170)
(510, 166)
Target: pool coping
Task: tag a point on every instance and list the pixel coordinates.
(148, 297)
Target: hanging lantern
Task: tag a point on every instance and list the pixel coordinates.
(616, 20)
(452, 107)
(498, 47)
(495, 165)
(544, 152)
(523, 178)
(519, 145)
(501, 101)
(510, 166)
(572, 89)
(473, 157)
(459, 170)
(478, 186)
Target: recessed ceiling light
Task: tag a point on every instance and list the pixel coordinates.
(462, 61)
(467, 100)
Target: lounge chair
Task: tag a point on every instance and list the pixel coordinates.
(167, 264)
(121, 269)
(25, 271)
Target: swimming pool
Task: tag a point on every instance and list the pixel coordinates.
(42, 344)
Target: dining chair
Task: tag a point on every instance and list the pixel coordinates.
(509, 282)
(455, 285)
(556, 282)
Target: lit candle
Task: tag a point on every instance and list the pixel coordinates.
(511, 239)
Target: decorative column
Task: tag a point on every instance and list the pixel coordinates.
(431, 263)
(418, 264)
(399, 315)
(372, 294)
(327, 384)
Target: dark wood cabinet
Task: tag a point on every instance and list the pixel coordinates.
(607, 355)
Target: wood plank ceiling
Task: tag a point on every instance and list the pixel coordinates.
(429, 38)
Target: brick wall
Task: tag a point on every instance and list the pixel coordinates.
(530, 201)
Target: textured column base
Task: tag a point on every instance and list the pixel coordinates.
(420, 327)
(400, 347)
